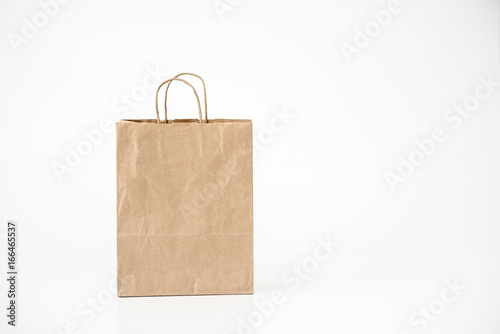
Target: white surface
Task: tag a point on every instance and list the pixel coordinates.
(322, 174)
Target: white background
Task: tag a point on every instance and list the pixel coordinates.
(322, 174)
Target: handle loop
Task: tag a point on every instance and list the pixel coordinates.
(187, 83)
(204, 93)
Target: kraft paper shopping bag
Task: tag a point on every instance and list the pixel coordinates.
(184, 205)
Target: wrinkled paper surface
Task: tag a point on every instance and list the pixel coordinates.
(184, 207)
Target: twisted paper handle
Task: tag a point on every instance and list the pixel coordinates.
(187, 83)
(204, 93)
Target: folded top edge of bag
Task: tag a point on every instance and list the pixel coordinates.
(218, 120)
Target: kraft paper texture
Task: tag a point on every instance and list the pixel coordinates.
(184, 207)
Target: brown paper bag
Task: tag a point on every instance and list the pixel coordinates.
(184, 205)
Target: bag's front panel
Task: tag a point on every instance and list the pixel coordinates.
(184, 200)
